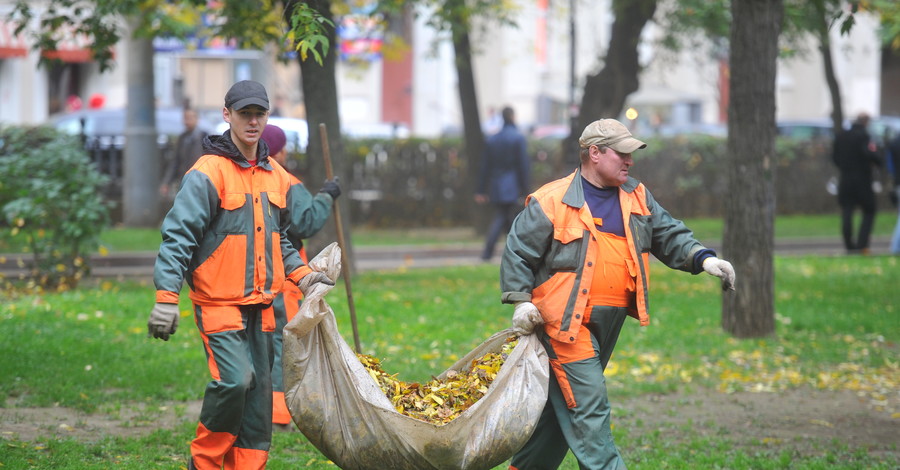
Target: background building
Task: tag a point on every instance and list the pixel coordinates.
(389, 90)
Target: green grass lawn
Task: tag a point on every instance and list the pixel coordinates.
(119, 239)
(87, 349)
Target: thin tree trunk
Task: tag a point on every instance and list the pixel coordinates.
(748, 241)
(320, 97)
(140, 186)
(606, 91)
(468, 97)
(837, 110)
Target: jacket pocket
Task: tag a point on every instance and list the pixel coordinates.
(642, 231)
(221, 275)
(566, 249)
(233, 201)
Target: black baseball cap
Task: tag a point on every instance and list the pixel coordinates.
(245, 93)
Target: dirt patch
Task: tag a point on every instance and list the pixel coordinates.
(30, 424)
(805, 421)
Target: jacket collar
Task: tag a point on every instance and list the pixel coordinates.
(222, 145)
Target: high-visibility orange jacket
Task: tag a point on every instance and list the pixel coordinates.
(226, 232)
(551, 251)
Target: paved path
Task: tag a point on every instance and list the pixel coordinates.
(369, 258)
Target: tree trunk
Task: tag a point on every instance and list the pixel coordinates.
(748, 241)
(605, 92)
(140, 193)
(320, 97)
(468, 99)
(837, 110)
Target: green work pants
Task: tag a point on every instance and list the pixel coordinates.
(584, 428)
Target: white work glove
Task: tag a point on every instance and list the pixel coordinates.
(307, 282)
(163, 321)
(721, 269)
(525, 318)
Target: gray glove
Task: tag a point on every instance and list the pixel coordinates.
(307, 282)
(525, 318)
(721, 269)
(163, 321)
(332, 188)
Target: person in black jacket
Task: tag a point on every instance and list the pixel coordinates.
(503, 179)
(855, 156)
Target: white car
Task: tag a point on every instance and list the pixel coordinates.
(295, 130)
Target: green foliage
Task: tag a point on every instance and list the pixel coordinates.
(253, 25)
(308, 31)
(50, 197)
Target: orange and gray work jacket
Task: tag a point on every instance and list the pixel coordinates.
(308, 213)
(552, 250)
(226, 234)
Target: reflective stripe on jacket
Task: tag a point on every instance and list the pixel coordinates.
(226, 234)
(552, 247)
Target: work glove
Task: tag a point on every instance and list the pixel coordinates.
(721, 269)
(163, 321)
(307, 282)
(332, 188)
(525, 318)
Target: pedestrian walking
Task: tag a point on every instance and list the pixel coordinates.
(577, 264)
(188, 148)
(503, 180)
(226, 237)
(855, 156)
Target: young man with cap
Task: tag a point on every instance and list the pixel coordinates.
(226, 236)
(577, 263)
(308, 216)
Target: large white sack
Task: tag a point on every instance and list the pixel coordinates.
(341, 410)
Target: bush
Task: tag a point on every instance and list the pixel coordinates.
(50, 198)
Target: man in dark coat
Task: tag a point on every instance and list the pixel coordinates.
(855, 156)
(503, 179)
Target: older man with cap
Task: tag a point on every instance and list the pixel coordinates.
(576, 265)
(226, 237)
(308, 216)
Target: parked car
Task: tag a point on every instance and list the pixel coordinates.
(108, 125)
(806, 129)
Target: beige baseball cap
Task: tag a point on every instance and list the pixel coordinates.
(610, 133)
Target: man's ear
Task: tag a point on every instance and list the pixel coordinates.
(226, 115)
(595, 153)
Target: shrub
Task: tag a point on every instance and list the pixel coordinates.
(49, 196)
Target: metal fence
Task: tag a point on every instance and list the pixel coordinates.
(426, 183)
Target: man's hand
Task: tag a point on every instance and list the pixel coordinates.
(307, 282)
(721, 269)
(525, 318)
(163, 321)
(332, 188)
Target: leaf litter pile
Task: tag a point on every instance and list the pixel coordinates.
(439, 401)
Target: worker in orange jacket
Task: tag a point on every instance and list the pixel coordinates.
(576, 265)
(226, 237)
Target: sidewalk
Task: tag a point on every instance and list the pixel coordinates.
(371, 258)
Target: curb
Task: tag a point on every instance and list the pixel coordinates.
(140, 264)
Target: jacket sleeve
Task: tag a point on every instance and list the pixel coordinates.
(294, 267)
(184, 226)
(527, 243)
(672, 242)
(308, 213)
